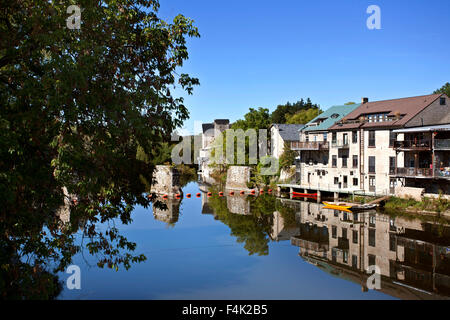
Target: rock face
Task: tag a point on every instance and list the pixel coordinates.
(166, 180)
(237, 177)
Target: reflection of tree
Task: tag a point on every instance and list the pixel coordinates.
(252, 230)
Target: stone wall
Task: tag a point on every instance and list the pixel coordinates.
(237, 177)
(409, 192)
(166, 180)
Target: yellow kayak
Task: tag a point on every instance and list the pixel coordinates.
(337, 206)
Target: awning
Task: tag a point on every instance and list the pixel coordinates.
(441, 127)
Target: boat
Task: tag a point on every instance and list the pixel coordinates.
(349, 207)
(338, 206)
(298, 194)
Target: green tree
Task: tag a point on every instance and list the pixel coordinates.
(75, 107)
(303, 116)
(444, 89)
(287, 158)
(254, 119)
(282, 112)
(349, 103)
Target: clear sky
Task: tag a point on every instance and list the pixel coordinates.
(258, 53)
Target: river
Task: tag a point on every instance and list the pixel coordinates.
(262, 247)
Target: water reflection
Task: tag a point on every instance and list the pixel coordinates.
(413, 255)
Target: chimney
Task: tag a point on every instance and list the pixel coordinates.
(364, 100)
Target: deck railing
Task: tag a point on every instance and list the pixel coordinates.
(413, 144)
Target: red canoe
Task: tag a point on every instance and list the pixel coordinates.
(298, 194)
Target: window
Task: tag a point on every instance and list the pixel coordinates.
(371, 164)
(392, 242)
(372, 237)
(325, 137)
(333, 232)
(355, 236)
(307, 137)
(354, 261)
(391, 165)
(371, 138)
(372, 220)
(372, 182)
(355, 161)
(442, 101)
(372, 259)
(334, 161)
(392, 138)
(336, 180)
(333, 137)
(345, 138)
(345, 256)
(355, 137)
(344, 233)
(355, 182)
(344, 162)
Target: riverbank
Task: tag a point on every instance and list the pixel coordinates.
(428, 206)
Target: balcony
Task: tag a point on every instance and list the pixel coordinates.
(343, 243)
(340, 144)
(442, 144)
(413, 172)
(313, 145)
(413, 145)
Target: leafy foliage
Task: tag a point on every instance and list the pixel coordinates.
(444, 89)
(76, 105)
(285, 111)
(303, 116)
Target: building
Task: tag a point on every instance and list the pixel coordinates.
(363, 152)
(281, 134)
(209, 132)
(314, 146)
(378, 147)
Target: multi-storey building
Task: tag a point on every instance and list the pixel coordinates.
(364, 150)
(378, 146)
(314, 147)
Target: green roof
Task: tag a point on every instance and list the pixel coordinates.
(330, 116)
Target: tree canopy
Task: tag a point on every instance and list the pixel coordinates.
(444, 89)
(75, 107)
(285, 111)
(303, 116)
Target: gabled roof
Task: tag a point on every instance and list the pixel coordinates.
(289, 132)
(330, 117)
(407, 108)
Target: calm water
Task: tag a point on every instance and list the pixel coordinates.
(263, 248)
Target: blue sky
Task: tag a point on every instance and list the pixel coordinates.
(264, 53)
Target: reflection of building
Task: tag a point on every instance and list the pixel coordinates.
(280, 231)
(167, 211)
(413, 257)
